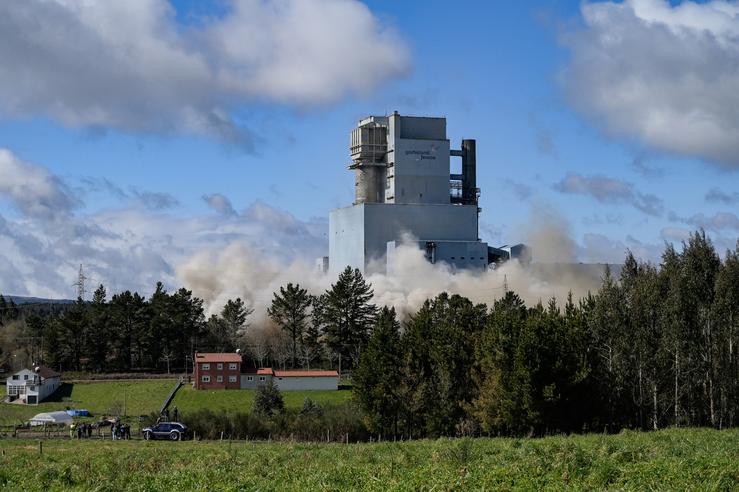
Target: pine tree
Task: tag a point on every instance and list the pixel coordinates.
(289, 310)
(727, 313)
(377, 378)
(347, 315)
(235, 314)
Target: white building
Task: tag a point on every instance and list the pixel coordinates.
(32, 387)
(404, 186)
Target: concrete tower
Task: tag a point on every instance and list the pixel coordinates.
(403, 188)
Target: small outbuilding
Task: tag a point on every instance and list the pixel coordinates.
(306, 380)
(51, 418)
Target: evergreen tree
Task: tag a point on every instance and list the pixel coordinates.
(377, 378)
(234, 315)
(97, 338)
(347, 315)
(727, 313)
(289, 310)
(268, 400)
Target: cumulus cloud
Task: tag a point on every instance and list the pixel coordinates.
(610, 191)
(124, 248)
(32, 189)
(663, 74)
(130, 65)
(715, 195)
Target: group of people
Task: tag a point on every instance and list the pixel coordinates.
(119, 430)
(80, 430)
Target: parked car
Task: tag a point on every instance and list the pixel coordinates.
(174, 431)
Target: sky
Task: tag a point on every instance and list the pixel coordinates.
(136, 136)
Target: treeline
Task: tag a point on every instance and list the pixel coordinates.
(656, 348)
(652, 348)
(132, 333)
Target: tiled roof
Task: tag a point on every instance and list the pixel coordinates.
(264, 371)
(217, 357)
(306, 374)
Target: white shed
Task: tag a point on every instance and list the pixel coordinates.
(51, 418)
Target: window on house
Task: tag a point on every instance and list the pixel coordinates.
(232, 366)
(25, 377)
(220, 367)
(206, 367)
(250, 378)
(16, 377)
(205, 379)
(219, 379)
(262, 378)
(232, 379)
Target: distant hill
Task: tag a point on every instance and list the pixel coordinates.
(36, 300)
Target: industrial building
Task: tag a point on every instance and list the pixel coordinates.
(404, 188)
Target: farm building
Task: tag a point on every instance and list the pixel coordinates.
(217, 370)
(291, 380)
(32, 386)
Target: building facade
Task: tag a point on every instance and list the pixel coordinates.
(32, 386)
(217, 371)
(307, 380)
(405, 191)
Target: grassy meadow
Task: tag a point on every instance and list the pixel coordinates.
(675, 459)
(144, 397)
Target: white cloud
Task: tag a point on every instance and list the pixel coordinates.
(665, 75)
(32, 189)
(125, 248)
(130, 65)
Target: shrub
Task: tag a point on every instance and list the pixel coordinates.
(268, 400)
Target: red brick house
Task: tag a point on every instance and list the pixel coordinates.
(217, 371)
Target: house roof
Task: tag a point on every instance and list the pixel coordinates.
(217, 357)
(46, 373)
(43, 371)
(262, 371)
(306, 374)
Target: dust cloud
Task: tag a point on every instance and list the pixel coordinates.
(243, 271)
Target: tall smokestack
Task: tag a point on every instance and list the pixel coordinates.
(469, 172)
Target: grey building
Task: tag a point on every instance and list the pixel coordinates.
(304, 380)
(404, 189)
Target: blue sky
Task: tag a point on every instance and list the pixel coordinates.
(618, 121)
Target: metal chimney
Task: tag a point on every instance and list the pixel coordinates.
(469, 172)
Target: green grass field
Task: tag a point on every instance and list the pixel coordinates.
(144, 397)
(676, 459)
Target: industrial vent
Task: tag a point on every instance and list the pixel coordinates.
(368, 143)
